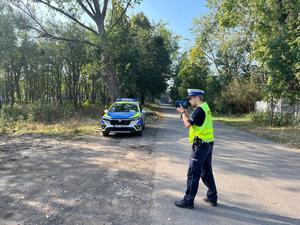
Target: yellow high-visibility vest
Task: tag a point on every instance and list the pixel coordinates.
(206, 131)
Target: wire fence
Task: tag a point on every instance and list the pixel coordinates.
(282, 107)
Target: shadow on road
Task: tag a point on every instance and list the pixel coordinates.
(251, 216)
(253, 155)
(236, 154)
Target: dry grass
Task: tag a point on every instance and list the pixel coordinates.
(67, 129)
(284, 135)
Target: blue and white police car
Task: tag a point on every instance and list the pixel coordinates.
(124, 116)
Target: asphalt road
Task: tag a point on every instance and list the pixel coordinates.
(258, 181)
(129, 180)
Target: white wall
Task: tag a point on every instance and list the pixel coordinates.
(282, 107)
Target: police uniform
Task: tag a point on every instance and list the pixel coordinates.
(202, 139)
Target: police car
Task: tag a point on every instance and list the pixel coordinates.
(124, 116)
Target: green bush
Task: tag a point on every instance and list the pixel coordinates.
(86, 104)
(10, 116)
(285, 120)
(15, 113)
(90, 110)
(38, 112)
(262, 118)
(51, 112)
(6, 124)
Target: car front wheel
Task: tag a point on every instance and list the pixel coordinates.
(105, 134)
(139, 133)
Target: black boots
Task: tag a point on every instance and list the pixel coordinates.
(184, 204)
(213, 203)
(190, 205)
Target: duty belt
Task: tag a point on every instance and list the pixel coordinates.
(198, 140)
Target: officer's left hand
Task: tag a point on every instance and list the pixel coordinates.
(180, 110)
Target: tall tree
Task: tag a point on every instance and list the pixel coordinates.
(96, 11)
(276, 25)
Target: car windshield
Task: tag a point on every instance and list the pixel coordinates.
(124, 107)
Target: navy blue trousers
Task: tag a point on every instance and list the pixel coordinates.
(201, 167)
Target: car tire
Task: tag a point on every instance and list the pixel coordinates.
(139, 133)
(105, 134)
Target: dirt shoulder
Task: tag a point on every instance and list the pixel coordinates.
(86, 180)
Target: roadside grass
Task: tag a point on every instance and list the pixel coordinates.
(152, 111)
(67, 129)
(284, 135)
(151, 106)
(51, 120)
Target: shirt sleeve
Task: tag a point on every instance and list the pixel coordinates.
(197, 117)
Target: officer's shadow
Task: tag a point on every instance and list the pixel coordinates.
(250, 216)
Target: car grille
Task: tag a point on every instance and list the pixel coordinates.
(120, 122)
(116, 129)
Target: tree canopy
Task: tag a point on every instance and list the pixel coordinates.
(69, 61)
(249, 51)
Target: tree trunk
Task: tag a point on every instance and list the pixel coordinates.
(74, 92)
(111, 79)
(12, 89)
(17, 85)
(6, 87)
(58, 87)
(93, 94)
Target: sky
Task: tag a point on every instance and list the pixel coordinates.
(177, 14)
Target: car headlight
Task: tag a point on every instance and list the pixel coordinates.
(137, 118)
(106, 118)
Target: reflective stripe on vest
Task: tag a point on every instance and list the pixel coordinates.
(206, 131)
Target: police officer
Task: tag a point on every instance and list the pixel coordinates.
(202, 139)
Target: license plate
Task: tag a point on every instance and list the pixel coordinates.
(118, 126)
